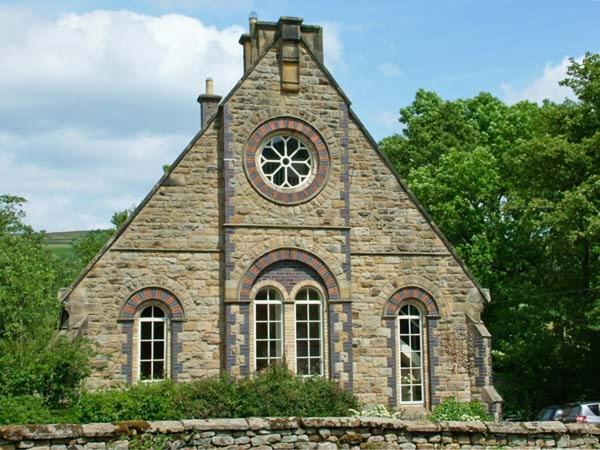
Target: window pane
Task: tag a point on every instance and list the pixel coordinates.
(261, 330)
(261, 312)
(403, 326)
(315, 348)
(315, 366)
(275, 347)
(147, 312)
(314, 330)
(416, 376)
(301, 330)
(158, 312)
(415, 328)
(301, 312)
(275, 330)
(262, 349)
(159, 330)
(159, 350)
(417, 395)
(145, 370)
(415, 359)
(146, 330)
(406, 397)
(274, 312)
(302, 366)
(415, 342)
(261, 364)
(302, 348)
(159, 369)
(146, 350)
(314, 312)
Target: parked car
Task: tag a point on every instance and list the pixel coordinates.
(586, 412)
(554, 412)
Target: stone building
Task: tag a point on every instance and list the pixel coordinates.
(282, 234)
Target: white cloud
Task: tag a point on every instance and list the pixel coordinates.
(389, 70)
(94, 104)
(544, 87)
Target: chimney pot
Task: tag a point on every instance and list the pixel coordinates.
(209, 103)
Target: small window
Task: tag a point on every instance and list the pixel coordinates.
(595, 408)
(285, 161)
(309, 337)
(268, 331)
(153, 343)
(410, 335)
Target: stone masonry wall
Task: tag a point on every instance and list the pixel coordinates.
(173, 244)
(301, 433)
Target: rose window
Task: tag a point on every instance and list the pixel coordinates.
(285, 161)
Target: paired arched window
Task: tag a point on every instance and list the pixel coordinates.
(410, 338)
(153, 324)
(270, 332)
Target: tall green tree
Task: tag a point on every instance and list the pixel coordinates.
(34, 359)
(516, 189)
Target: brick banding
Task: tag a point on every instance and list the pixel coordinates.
(289, 254)
(393, 305)
(170, 302)
(311, 138)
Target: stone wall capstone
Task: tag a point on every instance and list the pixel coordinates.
(326, 433)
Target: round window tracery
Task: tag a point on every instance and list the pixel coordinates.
(285, 161)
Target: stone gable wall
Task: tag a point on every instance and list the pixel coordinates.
(302, 433)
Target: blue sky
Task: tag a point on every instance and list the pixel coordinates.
(98, 95)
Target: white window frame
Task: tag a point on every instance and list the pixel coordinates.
(399, 335)
(269, 301)
(308, 321)
(286, 162)
(165, 340)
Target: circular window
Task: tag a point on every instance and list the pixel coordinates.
(286, 161)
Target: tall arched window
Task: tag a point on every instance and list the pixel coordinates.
(410, 331)
(268, 331)
(153, 343)
(309, 335)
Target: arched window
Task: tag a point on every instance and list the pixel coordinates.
(309, 335)
(153, 343)
(268, 331)
(410, 336)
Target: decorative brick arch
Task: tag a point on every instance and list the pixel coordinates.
(311, 137)
(148, 294)
(393, 305)
(289, 254)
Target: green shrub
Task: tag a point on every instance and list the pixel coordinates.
(275, 392)
(452, 409)
(25, 409)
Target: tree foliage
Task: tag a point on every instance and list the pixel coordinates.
(33, 358)
(516, 189)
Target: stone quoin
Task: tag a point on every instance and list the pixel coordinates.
(281, 234)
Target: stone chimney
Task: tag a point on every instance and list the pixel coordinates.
(209, 102)
(292, 32)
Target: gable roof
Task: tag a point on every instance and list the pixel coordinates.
(64, 293)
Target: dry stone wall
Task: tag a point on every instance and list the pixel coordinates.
(301, 433)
